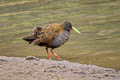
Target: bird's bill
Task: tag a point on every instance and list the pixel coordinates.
(76, 30)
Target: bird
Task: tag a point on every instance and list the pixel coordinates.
(51, 36)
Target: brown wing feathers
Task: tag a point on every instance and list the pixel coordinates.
(44, 35)
(48, 34)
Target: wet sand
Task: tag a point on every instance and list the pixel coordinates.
(16, 68)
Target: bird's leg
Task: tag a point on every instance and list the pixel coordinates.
(52, 51)
(48, 53)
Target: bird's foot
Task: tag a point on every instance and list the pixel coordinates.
(59, 59)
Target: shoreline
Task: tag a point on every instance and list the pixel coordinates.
(17, 68)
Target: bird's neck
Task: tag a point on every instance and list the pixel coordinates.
(66, 32)
(66, 29)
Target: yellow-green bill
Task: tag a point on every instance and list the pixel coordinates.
(76, 30)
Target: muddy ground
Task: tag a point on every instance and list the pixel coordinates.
(16, 68)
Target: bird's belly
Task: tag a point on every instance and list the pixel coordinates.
(58, 41)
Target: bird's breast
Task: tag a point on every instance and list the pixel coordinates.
(60, 39)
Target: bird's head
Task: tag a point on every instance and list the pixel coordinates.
(68, 26)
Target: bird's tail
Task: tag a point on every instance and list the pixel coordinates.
(32, 37)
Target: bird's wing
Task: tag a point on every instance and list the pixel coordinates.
(49, 33)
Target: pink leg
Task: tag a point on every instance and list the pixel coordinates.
(52, 51)
(48, 53)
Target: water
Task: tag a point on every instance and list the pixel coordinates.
(98, 21)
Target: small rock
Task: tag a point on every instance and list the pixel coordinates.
(106, 75)
(45, 70)
(3, 60)
(30, 58)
